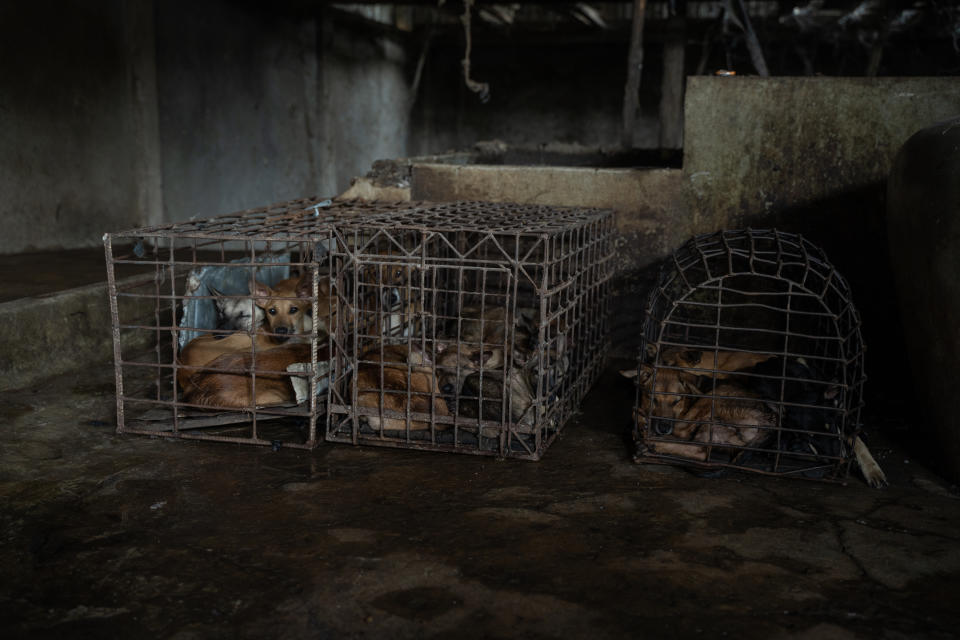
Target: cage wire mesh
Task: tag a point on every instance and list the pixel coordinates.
(226, 338)
(467, 327)
(751, 358)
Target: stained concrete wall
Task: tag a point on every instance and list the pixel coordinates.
(259, 105)
(767, 147)
(74, 109)
(121, 113)
(812, 155)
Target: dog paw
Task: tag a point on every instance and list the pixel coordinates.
(874, 475)
(301, 385)
(871, 471)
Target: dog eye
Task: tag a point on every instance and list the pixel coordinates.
(272, 311)
(293, 310)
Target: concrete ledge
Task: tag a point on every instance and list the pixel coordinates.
(51, 334)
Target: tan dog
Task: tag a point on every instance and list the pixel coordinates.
(677, 398)
(393, 378)
(216, 370)
(286, 306)
(733, 418)
(229, 380)
(676, 384)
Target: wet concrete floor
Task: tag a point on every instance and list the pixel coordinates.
(108, 536)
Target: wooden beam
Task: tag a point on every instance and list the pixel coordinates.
(631, 93)
(671, 92)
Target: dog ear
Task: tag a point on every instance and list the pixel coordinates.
(651, 351)
(260, 292)
(304, 286)
(323, 287)
(218, 298)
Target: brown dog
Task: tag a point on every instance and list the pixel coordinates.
(398, 378)
(733, 418)
(676, 385)
(218, 370)
(286, 306)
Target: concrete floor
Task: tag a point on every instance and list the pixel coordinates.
(108, 536)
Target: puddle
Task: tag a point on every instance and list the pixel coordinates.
(421, 603)
(10, 411)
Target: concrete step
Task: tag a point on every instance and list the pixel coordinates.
(55, 312)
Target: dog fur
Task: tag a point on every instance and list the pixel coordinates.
(460, 369)
(386, 308)
(236, 313)
(218, 370)
(388, 376)
(678, 402)
(733, 418)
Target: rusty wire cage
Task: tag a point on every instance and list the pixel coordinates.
(751, 358)
(196, 354)
(467, 327)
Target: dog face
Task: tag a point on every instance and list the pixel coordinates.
(236, 313)
(457, 362)
(286, 306)
(733, 418)
(388, 307)
(666, 392)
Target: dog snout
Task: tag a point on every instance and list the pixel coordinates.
(391, 298)
(282, 330)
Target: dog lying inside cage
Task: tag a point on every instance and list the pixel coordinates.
(479, 365)
(252, 367)
(735, 406)
(487, 371)
(753, 359)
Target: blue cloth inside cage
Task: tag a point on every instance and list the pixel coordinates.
(200, 312)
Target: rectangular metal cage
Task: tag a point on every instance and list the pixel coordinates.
(467, 327)
(196, 288)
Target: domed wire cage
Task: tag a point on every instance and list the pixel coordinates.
(751, 358)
